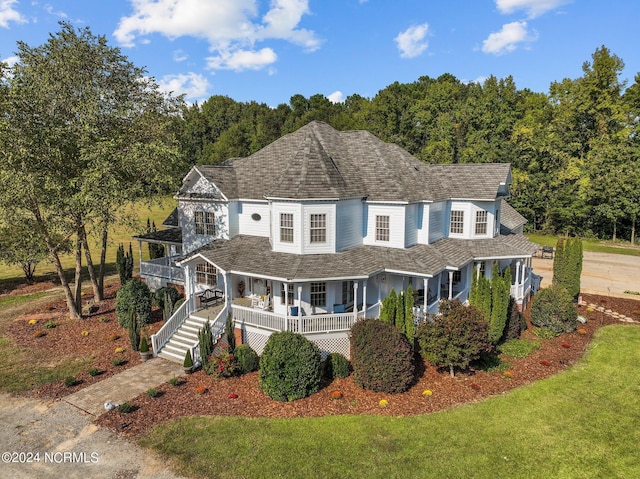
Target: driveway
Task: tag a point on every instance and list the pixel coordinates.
(602, 273)
(60, 441)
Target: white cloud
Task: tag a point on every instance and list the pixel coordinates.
(412, 42)
(240, 60)
(9, 14)
(534, 8)
(336, 97)
(179, 56)
(507, 39)
(232, 27)
(49, 9)
(11, 61)
(192, 85)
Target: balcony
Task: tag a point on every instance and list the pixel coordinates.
(162, 268)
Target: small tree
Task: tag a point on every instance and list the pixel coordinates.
(134, 330)
(229, 332)
(409, 325)
(133, 296)
(400, 312)
(205, 342)
(124, 263)
(455, 338)
(500, 295)
(567, 265)
(388, 310)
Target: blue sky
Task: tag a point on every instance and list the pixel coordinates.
(268, 51)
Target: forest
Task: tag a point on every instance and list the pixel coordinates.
(574, 150)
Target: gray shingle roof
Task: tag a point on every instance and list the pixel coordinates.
(510, 219)
(318, 161)
(253, 255)
(170, 236)
(172, 219)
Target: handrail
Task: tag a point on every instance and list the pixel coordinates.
(162, 337)
(217, 333)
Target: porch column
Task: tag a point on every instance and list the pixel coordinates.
(355, 300)
(425, 285)
(226, 289)
(478, 265)
(450, 285)
(140, 255)
(438, 288)
(286, 305)
(167, 254)
(524, 272)
(517, 278)
(187, 281)
(299, 304)
(364, 298)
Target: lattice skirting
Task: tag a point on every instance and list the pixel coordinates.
(327, 342)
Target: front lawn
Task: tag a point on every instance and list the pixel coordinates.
(592, 245)
(582, 423)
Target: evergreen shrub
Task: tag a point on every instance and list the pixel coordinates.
(381, 357)
(247, 358)
(290, 367)
(336, 366)
(553, 309)
(133, 296)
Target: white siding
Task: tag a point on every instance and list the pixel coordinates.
(247, 225)
(438, 228)
(296, 210)
(411, 224)
(396, 214)
(233, 218)
(349, 218)
(191, 240)
(465, 207)
(329, 246)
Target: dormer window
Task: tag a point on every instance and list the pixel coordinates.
(481, 222)
(205, 223)
(318, 228)
(457, 222)
(286, 227)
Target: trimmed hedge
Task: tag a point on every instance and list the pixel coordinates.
(133, 296)
(336, 366)
(246, 358)
(290, 367)
(553, 309)
(381, 357)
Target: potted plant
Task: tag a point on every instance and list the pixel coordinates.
(188, 362)
(144, 349)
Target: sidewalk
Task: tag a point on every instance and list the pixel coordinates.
(124, 386)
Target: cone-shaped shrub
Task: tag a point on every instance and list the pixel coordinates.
(381, 357)
(290, 367)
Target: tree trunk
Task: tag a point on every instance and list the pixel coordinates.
(633, 231)
(103, 259)
(97, 293)
(615, 225)
(74, 313)
(29, 270)
(78, 276)
(451, 371)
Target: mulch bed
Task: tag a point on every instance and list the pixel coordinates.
(66, 340)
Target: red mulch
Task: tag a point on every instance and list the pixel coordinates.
(67, 341)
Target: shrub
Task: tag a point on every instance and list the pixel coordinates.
(247, 358)
(125, 408)
(456, 337)
(553, 309)
(153, 392)
(134, 296)
(518, 348)
(381, 357)
(336, 366)
(290, 367)
(144, 345)
(205, 344)
(544, 333)
(516, 323)
(223, 365)
(117, 362)
(165, 292)
(188, 361)
(70, 381)
(124, 263)
(567, 265)
(174, 381)
(94, 372)
(50, 324)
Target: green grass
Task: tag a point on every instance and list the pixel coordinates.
(583, 423)
(10, 301)
(589, 245)
(119, 234)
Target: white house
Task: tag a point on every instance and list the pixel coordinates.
(312, 232)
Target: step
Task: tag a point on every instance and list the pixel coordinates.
(171, 356)
(178, 342)
(187, 334)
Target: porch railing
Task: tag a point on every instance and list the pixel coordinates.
(518, 290)
(299, 324)
(161, 268)
(161, 338)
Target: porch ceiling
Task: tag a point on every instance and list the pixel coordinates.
(253, 255)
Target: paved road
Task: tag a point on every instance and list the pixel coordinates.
(602, 273)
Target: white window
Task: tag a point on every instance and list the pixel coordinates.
(318, 228)
(481, 222)
(457, 222)
(289, 293)
(286, 227)
(205, 223)
(318, 294)
(206, 274)
(382, 228)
